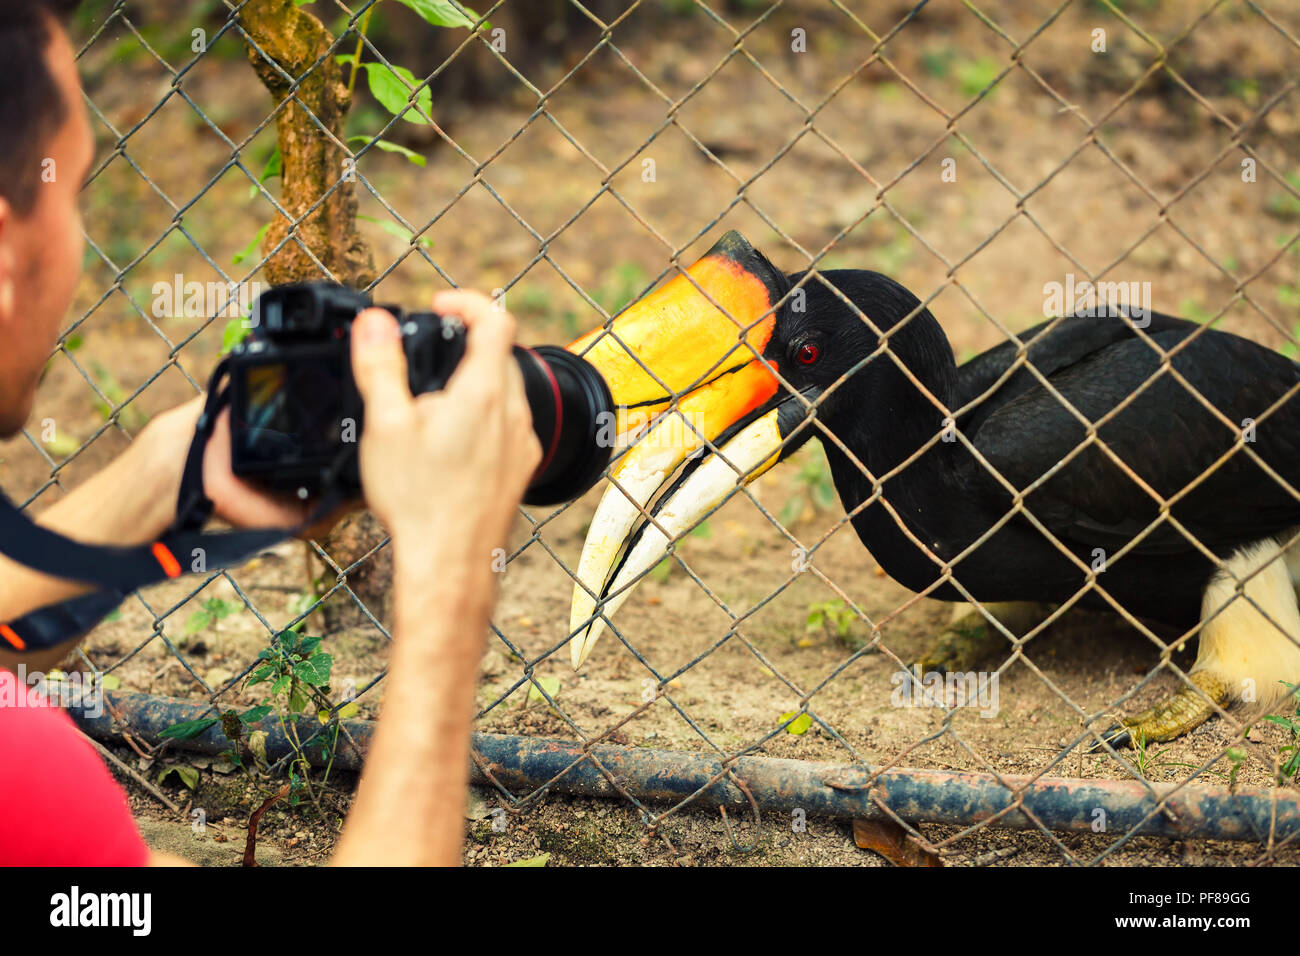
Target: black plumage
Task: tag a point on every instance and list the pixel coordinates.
(947, 499)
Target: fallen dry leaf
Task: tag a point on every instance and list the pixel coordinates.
(890, 840)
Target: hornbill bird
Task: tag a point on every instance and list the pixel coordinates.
(1128, 462)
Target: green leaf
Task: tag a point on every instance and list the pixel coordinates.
(549, 684)
(110, 682)
(823, 495)
(443, 13)
(248, 250)
(349, 709)
(798, 725)
(255, 714)
(659, 573)
(273, 169)
(315, 670)
(791, 510)
(62, 444)
(188, 775)
(396, 229)
(198, 621)
(532, 861)
(392, 86)
(301, 604)
(219, 609)
(188, 729)
(388, 147)
(235, 332)
(281, 685)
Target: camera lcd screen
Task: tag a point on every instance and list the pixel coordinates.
(293, 411)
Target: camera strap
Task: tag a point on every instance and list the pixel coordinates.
(117, 571)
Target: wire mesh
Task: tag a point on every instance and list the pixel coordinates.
(735, 606)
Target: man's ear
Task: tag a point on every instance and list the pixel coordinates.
(8, 263)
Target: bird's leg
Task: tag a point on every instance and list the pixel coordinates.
(1249, 649)
(1174, 716)
(970, 638)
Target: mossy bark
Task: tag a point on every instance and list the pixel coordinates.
(314, 162)
(288, 52)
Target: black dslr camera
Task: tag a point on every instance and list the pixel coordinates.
(296, 415)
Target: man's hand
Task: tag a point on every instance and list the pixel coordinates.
(234, 500)
(453, 464)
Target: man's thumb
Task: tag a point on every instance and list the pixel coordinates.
(379, 365)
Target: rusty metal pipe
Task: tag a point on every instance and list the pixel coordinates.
(523, 764)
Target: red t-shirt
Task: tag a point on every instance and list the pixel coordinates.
(59, 805)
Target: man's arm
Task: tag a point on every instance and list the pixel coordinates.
(133, 501)
(126, 503)
(445, 473)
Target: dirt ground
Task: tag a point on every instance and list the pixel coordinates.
(727, 695)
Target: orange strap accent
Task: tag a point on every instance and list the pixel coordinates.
(166, 559)
(8, 634)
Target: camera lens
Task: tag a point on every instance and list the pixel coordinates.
(572, 416)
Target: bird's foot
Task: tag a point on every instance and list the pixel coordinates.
(958, 648)
(1182, 711)
(970, 638)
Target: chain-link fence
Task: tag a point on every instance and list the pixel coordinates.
(572, 157)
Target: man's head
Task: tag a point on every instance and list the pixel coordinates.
(46, 149)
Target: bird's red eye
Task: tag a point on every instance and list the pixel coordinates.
(807, 354)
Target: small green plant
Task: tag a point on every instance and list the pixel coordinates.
(833, 618)
(1290, 768)
(660, 572)
(1288, 296)
(892, 256)
(1195, 311)
(973, 76)
(1246, 89)
(1283, 205)
(937, 63)
(213, 610)
(621, 288)
(1145, 760)
(114, 395)
(813, 484)
(299, 673)
(1237, 758)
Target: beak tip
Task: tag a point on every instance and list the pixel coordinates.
(578, 649)
(583, 643)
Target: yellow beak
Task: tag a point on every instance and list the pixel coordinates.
(683, 364)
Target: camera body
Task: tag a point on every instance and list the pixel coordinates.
(297, 417)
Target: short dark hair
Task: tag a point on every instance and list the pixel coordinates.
(32, 108)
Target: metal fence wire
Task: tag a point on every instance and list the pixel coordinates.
(805, 654)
